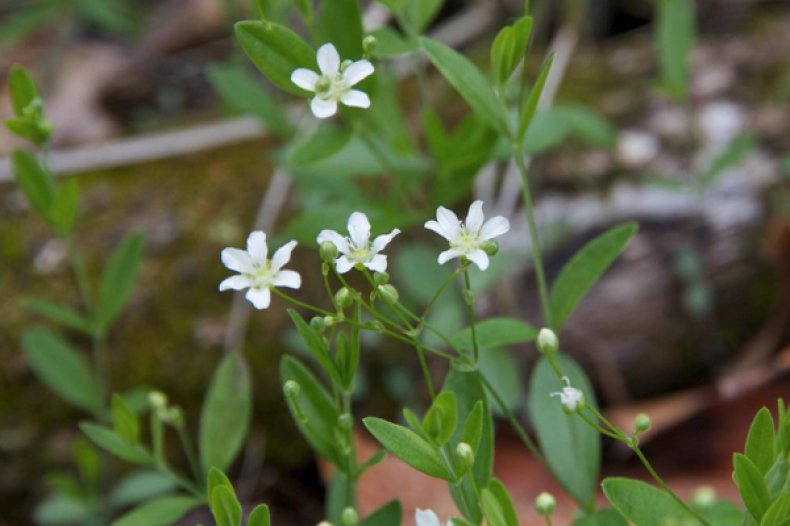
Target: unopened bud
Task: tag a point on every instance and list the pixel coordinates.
(173, 416)
(330, 321)
(369, 45)
(704, 497)
(381, 278)
(344, 298)
(349, 517)
(545, 504)
(328, 250)
(345, 64)
(324, 523)
(490, 247)
(641, 423)
(548, 343)
(388, 293)
(317, 324)
(345, 421)
(292, 389)
(465, 456)
(157, 400)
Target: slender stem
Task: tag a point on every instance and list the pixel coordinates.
(533, 235)
(426, 373)
(351, 474)
(298, 303)
(189, 451)
(181, 481)
(635, 448)
(449, 279)
(470, 303)
(597, 427)
(548, 520)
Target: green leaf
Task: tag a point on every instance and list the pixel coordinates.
(723, 513)
(643, 504)
(61, 368)
(675, 35)
(276, 51)
(139, 486)
(469, 82)
(64, 208)
(388, 515)
(473, 426)
(118, 279)
(509, 48)
(441, 419)
(216, 478)
(58, 510)
(531, 104)
(22, 87)
(57, 313)
(34, 181)
(163, 511)
(225, 507)
(504, 502)
(492, 511)
(572, 448)
(226, 413)
(340, 22)
(317, 345)
(390, 43)
(778, 513)
(259, 516)
(733, 155)
(124, 421)
(421, 12)
(503, 373)
(760, 441)
(316, 414)
(409, 447)
(585, 268)
(108, 440)
(242, 93)
(325, 142)
(606, 517)
(751, 486)
(496, 332)
(32, 129)
(586, 124)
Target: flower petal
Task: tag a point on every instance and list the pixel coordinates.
(236, 282)
(282, 256)
(305, 78)
(496, 226)
(260, 298)
(474, 218)
(479, 258)
(359, 229)
(323, 108)
(447, 255)
(356, 98)
(377, 263)
(288, 278)
(383, 240)
(433, 225)
(334, 238)
(256, 247)
(357, 71)
(448, 222)
(343, 265)
(328, 59)
(426, 518)
(237, 260)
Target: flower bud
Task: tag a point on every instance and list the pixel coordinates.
(344, 298)
(469, 297)
(328, 250)
(545, 504)
(291, 389)
(381, 278)
(157, 400)
(330, 321)
(369, 45)
(317, 324)
(324, 523)
(345, 421)
(349, 517)
(641, 423)
(388, 293)
(173, 416)
(345, 64)
(465, 456)
(490, 247)
(548, 343)
(704, 497)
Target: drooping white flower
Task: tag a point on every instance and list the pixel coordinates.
(334, 83)
(357, 249)
(570, 397)
(467, 239)
(428, 518)
(257, 272)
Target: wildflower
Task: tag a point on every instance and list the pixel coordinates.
(257, 272)
(334, 83)
(357, 250)
(428, 518)
(467, 239)
(571, 398)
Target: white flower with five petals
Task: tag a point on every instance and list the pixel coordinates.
(334, 83)
(357, 249)
(467, 239)
(428, 518)
(570, 397)
(257, 272)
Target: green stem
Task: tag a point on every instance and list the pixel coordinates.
(189, 451)
(470, 303)
(301, 304)
(529, 211)
(449, 279)
(424, 366)
(351, 474)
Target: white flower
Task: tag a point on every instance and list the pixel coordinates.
(428, 518)
(467, 239)
(357, 249)
(258, 273)
(570, 397)
(334, 83)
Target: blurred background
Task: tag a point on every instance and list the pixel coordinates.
(167, 128)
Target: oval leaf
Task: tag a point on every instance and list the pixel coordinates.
(108, 440)
(163, 511)
(340, 22)
(584, 269)
(496, 332)
(645, 505)
(118, 279)
(226, 413)
(751, 486)
(35, 182)
(760, 441)
(409, 447)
